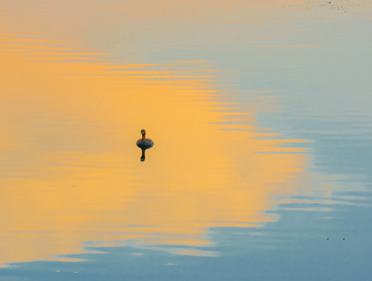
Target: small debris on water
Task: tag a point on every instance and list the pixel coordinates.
(57, 270)
(343, 238)
(327, 238)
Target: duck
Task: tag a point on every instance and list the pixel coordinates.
(144, 143)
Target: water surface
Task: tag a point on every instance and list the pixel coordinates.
(261, 117)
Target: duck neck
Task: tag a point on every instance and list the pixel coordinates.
(144, 137)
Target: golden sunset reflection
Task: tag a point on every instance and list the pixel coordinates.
(71, 172)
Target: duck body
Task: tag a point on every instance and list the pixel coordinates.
(144, 143)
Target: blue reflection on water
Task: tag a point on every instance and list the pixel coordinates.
(301, 246)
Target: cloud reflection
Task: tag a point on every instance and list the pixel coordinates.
(68, 174)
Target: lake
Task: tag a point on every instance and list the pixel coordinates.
(261, 115)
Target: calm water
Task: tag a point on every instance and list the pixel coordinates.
(261, 114)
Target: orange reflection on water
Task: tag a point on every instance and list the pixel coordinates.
(71, 173)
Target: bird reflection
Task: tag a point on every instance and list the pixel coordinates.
(143, 156)
(144, 144)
